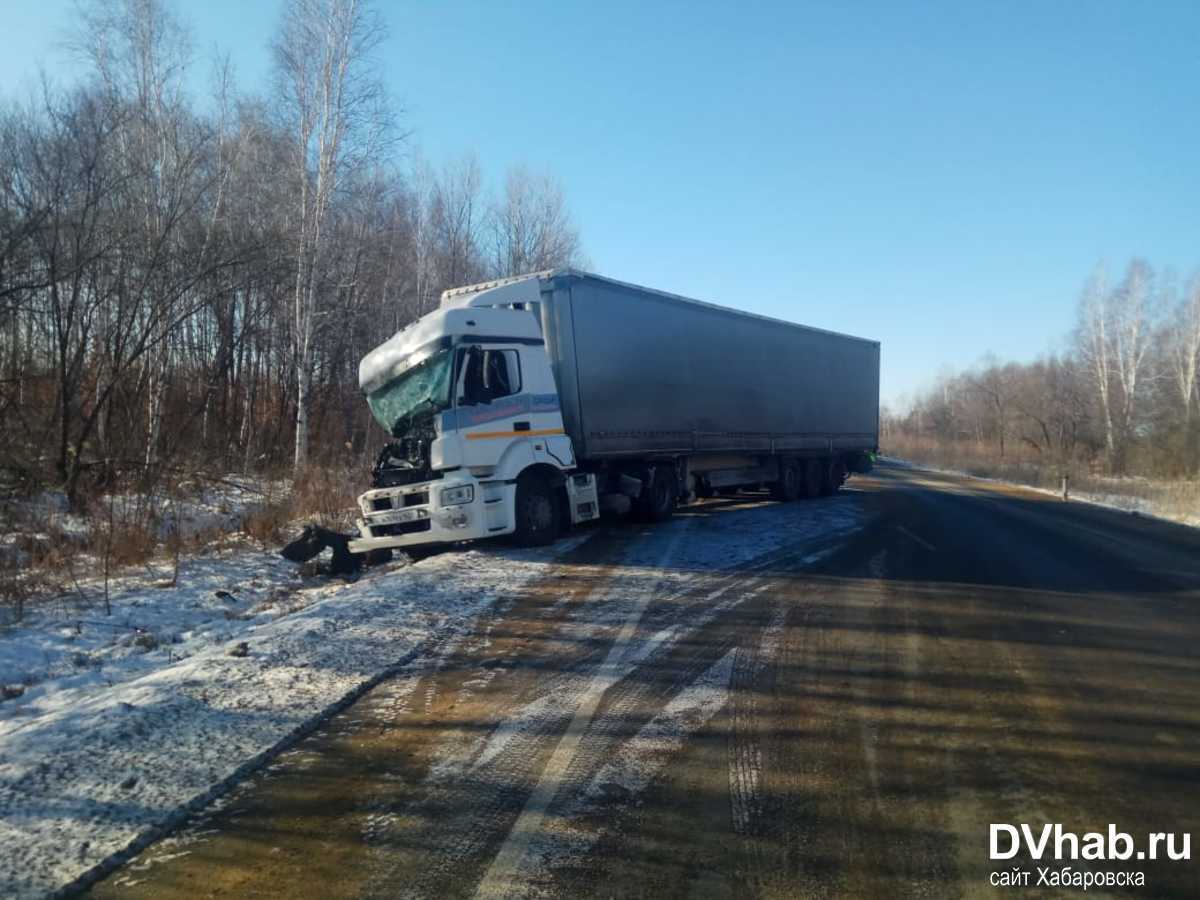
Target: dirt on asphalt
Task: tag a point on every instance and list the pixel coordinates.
(841, 717)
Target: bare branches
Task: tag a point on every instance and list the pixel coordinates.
(1183, 347)
(337, 111)
(1122, 397)
(531, 229)
(183, 288)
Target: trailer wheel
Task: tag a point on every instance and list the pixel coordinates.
(536, 512)
(658, 503)
(814, 478)
(835, 475)
(789, 486)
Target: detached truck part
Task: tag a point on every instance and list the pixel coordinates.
(522, 406)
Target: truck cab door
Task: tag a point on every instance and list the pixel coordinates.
(503, 414)
(488, 403)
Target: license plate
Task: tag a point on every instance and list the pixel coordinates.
(396, 515)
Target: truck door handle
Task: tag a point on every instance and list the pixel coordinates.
(520, 426)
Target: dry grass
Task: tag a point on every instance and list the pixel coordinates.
(325, 495)
(55, 550)
(1172, 499)
(328, 495)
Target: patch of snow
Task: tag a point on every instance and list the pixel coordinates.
(640, 759)
(126, 719)
(630, 771)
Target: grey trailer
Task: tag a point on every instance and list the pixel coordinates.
(646, 373)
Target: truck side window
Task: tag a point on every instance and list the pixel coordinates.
(501, 373)
(489, 375)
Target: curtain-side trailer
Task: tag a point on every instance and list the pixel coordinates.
(521, 406)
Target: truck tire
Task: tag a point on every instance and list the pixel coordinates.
(835, 476)
(790, 485)
(537, 514)
(657, 504)
(814, 478)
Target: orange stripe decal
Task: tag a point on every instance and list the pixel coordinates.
(483, 435)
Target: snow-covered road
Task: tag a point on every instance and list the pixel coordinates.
(128, 721)
(581, 682)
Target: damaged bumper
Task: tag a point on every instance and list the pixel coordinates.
(434, 512)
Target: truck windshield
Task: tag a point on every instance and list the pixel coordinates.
(423, 388)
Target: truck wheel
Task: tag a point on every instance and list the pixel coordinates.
(835, 474)
(789, 486)
(814, 478)
(536, 513)
(657, 504)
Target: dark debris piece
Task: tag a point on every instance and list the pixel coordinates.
(314, 539)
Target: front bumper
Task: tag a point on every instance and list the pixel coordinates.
(413, 514)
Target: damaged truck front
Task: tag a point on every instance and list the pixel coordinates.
(521, 406)
(478, 447)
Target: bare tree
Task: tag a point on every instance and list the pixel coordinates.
(1053, 411)
(1183, 347)
(456, 216)
(531, 228)
(1094, 342)
(996, 383)
(1114, 339)
(171, 277)
(337, 113)
(1134, 314)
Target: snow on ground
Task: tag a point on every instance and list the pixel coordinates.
(125, 719)
(203, 504)
(124, 722)
(1108, 499)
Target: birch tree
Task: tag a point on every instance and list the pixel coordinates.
(1094, 344)
(1183, 348)
(336, 110)
(1131, 341)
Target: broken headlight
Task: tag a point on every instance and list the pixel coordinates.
(456, 496)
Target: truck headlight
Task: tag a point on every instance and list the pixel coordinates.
(456, 496)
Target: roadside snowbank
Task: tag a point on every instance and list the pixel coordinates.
(127, 720)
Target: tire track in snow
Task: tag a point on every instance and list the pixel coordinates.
(529, 849)
(500, 878)
(745, 750)
(627, 773)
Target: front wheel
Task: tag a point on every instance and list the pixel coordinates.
(537, 515)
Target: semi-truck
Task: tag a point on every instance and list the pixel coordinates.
(527, 405)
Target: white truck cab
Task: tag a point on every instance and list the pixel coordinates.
(479, 449)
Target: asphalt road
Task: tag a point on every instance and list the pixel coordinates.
(843, 718)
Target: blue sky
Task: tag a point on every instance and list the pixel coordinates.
(939, 176)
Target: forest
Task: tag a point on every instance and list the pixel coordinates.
(1117, 410)
(189, 278)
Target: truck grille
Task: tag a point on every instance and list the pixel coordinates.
(418, 498)
(401, 528)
